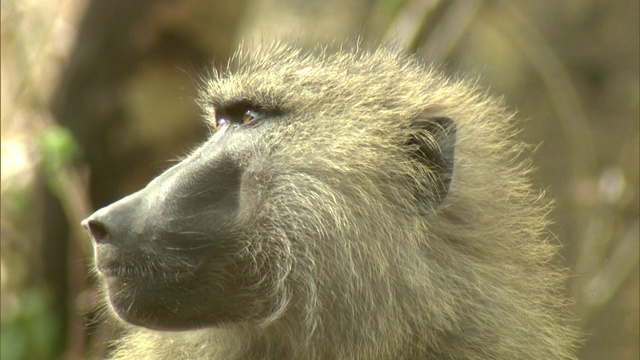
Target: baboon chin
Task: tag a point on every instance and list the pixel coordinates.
(352, 204)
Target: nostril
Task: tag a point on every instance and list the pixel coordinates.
(97, 230)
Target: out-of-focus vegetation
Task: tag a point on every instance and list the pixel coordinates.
(97, 98)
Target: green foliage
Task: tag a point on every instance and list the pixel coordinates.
(17, 204)
(32, 331)
(58, 147)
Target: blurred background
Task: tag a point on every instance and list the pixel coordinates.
(97, 98)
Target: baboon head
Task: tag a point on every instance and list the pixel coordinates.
(317, 165)
(328, 218)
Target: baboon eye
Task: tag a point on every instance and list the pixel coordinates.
(237, 116)
(220, 123)
(250, 117)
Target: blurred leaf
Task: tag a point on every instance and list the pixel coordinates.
(58, 147)
(32, 332)
(12, 342)
(17, 203)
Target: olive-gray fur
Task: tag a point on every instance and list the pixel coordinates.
(355, 267)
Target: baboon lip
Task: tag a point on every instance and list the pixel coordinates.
(113, 272)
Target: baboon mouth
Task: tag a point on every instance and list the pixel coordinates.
(124, 273)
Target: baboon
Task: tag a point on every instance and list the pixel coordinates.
(350, 204)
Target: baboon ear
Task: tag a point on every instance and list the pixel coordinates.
(435, 138)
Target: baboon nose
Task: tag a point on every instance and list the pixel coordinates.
(96, 229)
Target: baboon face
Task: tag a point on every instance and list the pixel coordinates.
(306, 151)
(169, 253)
